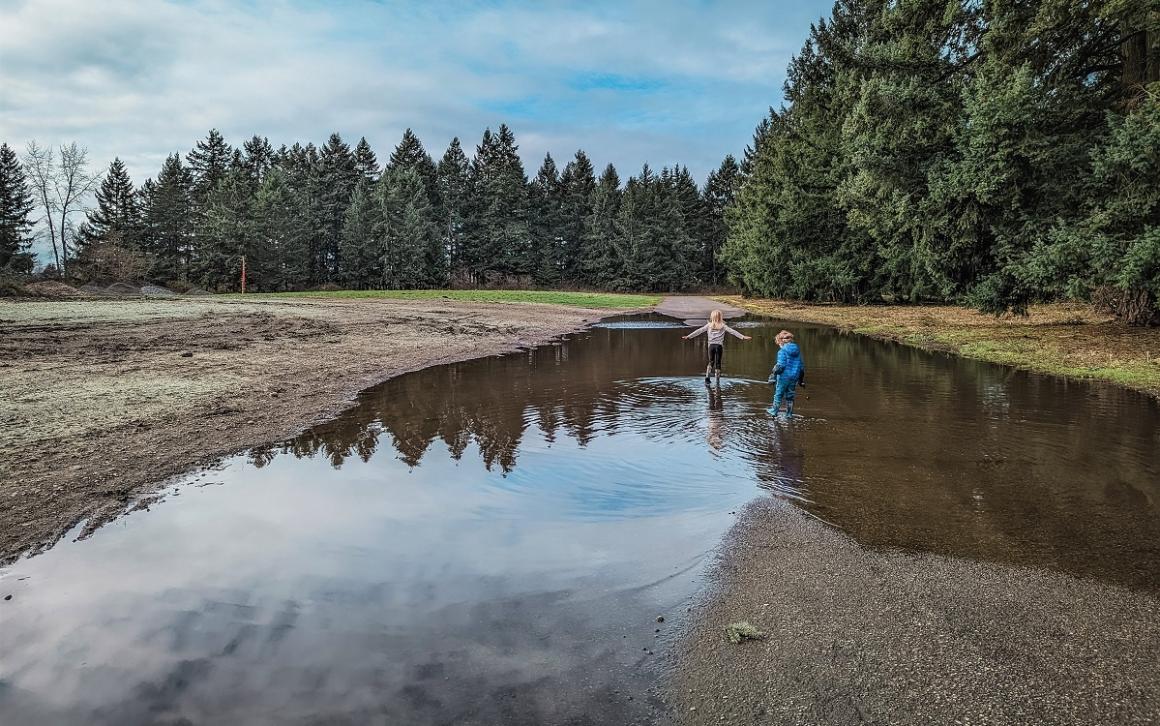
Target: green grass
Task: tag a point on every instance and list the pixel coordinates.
(547, 297)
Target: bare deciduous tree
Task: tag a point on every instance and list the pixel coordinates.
(62, 189)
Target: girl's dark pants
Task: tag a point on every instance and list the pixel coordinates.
(715, 353)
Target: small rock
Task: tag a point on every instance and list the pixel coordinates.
(186, 354)
(660, 618)
(7, 597)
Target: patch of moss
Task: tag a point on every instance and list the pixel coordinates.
(742, 631)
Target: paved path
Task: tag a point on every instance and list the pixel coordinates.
(691, 307)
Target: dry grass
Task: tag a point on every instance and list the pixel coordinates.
(1061, 339)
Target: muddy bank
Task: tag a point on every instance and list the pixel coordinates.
(857, 636)
(106, 399)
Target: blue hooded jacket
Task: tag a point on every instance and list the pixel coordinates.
(789, 362)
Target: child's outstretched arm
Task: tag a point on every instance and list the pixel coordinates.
(696, 332)
(735, 334)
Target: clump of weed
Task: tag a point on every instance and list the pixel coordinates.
(742, 631)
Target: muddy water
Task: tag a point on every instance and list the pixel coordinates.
(492, 542)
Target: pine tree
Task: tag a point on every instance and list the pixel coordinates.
(117, 217)
(208, 163)
(479, 253)
(335, 177)
(692, 241)
(277, 246)
(361, 249)
(225, 233)
(410, 154)
(169, 220)
(365, 160)
(16, 205)
(301, 166)
(600, 260)
(578, 186)
(410, 240)
(545, 224)
(453, 183)
(505, 246)
(720, 189)
(257, 159)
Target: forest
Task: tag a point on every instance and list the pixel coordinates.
(991, 154)
(994, 154)
(306, 216)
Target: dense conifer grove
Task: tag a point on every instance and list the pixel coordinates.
(307, 216)
(994, 153)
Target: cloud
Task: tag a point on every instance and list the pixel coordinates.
(628, 82)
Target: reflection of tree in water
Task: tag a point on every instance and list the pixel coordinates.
(563, 388)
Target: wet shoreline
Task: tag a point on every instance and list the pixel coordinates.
(858, 635)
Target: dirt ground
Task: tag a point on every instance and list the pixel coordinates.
(105, 400)
(856, 636)
(1065, 339)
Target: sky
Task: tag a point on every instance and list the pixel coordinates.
(628, 82)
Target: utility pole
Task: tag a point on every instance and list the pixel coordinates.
(243, 274)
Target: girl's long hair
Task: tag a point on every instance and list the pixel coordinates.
(715, 321)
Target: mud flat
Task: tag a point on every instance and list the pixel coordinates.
(856, 636)
(104, 400)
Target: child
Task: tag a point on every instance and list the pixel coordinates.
(717, 330)
(787, 374)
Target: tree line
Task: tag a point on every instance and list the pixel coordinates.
(989, 153)
(305, 216)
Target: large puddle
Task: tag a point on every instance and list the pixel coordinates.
(493, 541)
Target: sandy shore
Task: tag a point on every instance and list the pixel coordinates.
(105, 400)
(855, 636)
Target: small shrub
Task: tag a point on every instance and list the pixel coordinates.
(740, 632)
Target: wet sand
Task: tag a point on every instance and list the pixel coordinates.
(106, 400)
(857, 636)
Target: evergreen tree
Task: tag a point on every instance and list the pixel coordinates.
(453, 184)
(117, 217)
(365, 160)
(16, 205)
(499, 237)
(410, 154)
(545, 223)
(411, 250)
(601, 262)
(301, 166)
(651, 233)
(334, 178)
(361, 250)
(277, 245)
(208, 163)
(225, 233)
(691, 241)
(720, 189)
(169, 217)
(257, 159)
(578, 186)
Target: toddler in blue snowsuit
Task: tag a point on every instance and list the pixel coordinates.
(787, 373)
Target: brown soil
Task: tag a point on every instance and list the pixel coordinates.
(105, 400)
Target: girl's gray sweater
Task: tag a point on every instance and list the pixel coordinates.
(716, 337)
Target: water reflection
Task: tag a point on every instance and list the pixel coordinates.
(905, 448)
